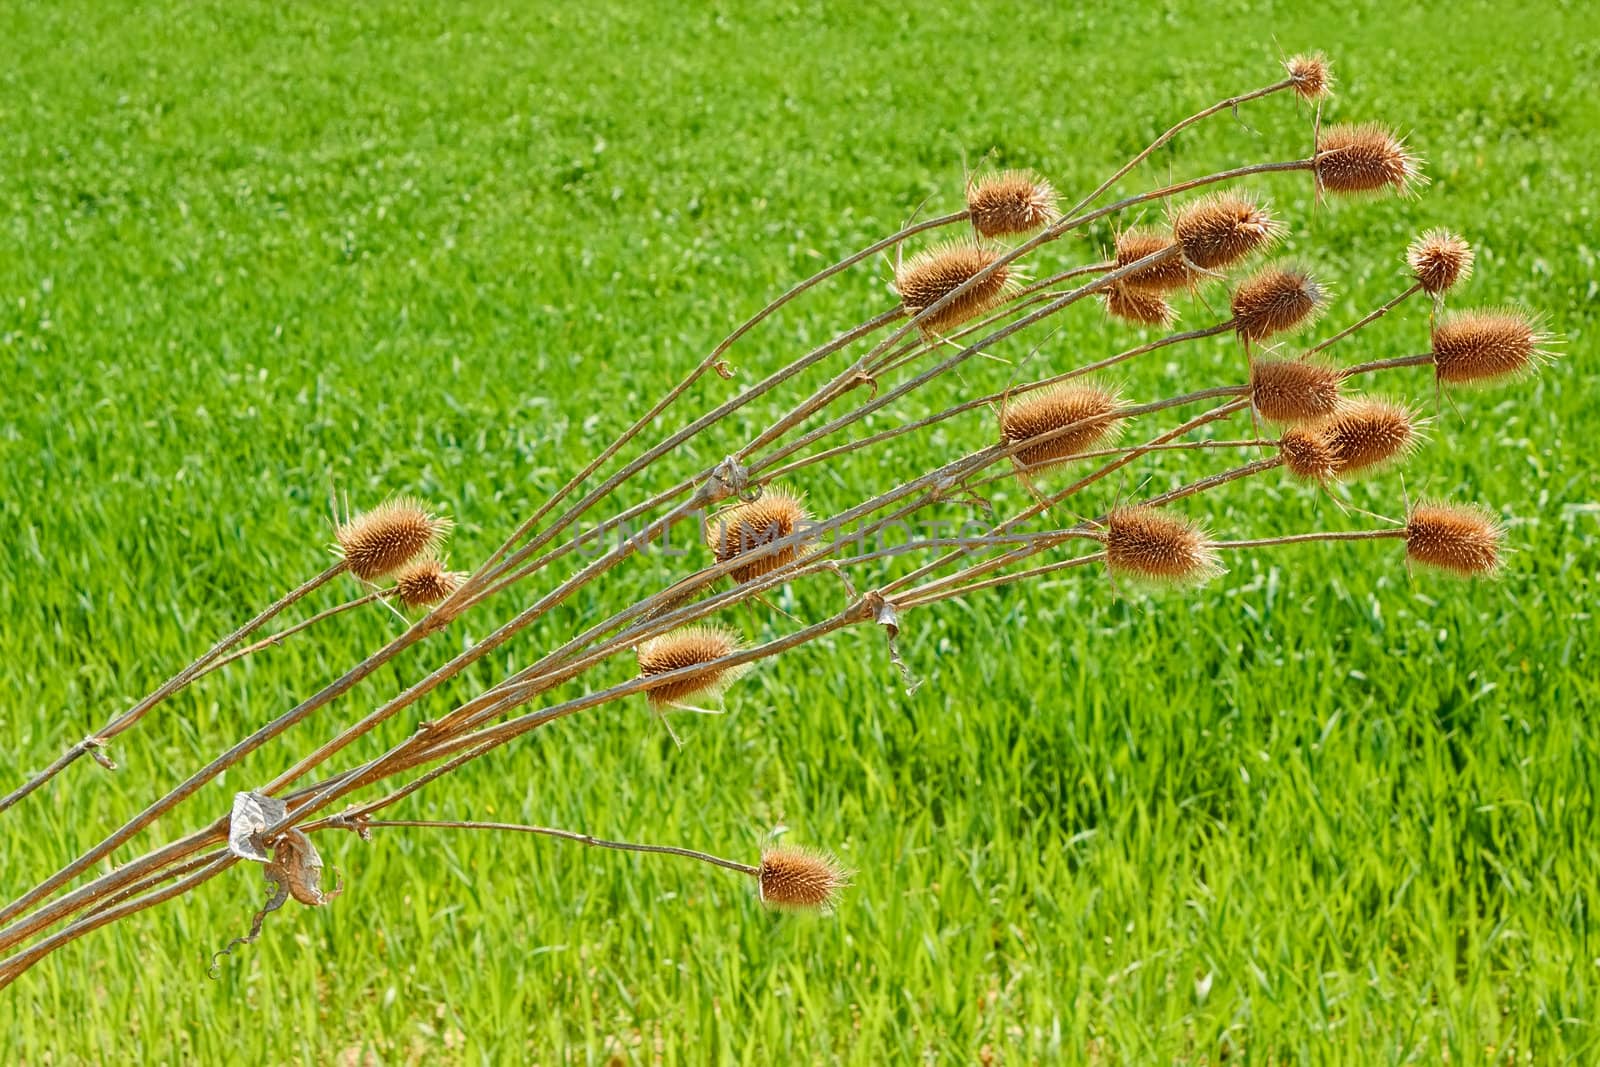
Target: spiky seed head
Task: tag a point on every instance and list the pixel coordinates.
(1461, 540)
(688, 647)
(1294, 391)
(926, 277)
(386, 538)
(1307, 454)
(800, 879)
(1439, 259)
(424, 582)
(1369, 432)
(1365, 158)
(1163, 277)
(1089, 410)
(1223, 228)
(1147, 545)
(1276, 300)
(1011, 202)
(742, 529)
(1486, 345)
(1144, 308)
(1310, 76)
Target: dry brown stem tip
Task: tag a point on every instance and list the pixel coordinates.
(425, 582)
(1486, 345)
(1223, 228)
(386, 538)
(1310, 73)
(1012, 202)
(688, 647)
(1368, 432)
(799, 879)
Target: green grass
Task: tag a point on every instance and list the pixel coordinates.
(449, 249)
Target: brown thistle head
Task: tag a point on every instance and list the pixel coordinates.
(1010, 203)
(1439, 259)
(1365, 158)
(1307, 454)
(1163, 277)
(1141, 307)
(1085, 415)
(1369, 432)
(926, 277)
(424, 582)
(1309, 76)
(1146, 545)
(1294, 391)
(1223, 228)
(1276, 300)
(688, 647)
(744, 528)
(1486, 345)
(800, 879)
(386, 538)
(1464, 541)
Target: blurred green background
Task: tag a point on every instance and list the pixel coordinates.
(1318, 811)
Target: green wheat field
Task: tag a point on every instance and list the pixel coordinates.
(1321, 810)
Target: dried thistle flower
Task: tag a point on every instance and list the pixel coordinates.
(1308, 454)
(1310, 76)
(922, 280)
(742, 529)
(1163, 277)
(1089, 409)
(1293, 391)
(799, 879)
(1486, 345)
(425, 582)
(1461, 540)
(386, 538)
(1368, 432)
(1439, 259)
(1365, 158)
(688, 647)
(1145, 309)
(1011, 202)
(1147, 545)
(1276, 300)
(1223, 228)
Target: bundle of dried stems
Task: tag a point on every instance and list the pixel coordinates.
(1058, 436)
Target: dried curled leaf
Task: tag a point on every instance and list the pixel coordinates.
(252, 813)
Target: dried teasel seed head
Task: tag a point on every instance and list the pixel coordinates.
(926, 277)
(1011, 202)
(1365, 158)
(1089, 410)
(742, 529)
(1294, 391)
(1439, 259)
(1146, 545)
(424, 582)
(688, 647)
(1369, 432)
(1461, 540)
(1163, 277)
(1486, 345)
(1276, 300)
(386, 538)
(1223, 228)
(1143, 308)
(1308, 454)
(1310, 76)
(800, 879)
